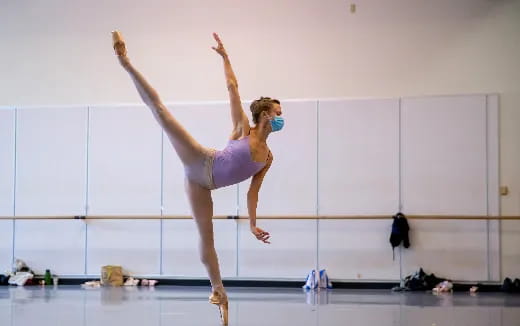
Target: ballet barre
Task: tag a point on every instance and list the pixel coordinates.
(280, 217)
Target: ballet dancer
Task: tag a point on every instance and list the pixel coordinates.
(246, 155)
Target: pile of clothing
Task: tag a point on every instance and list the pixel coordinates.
(420, 281)
(23, 275)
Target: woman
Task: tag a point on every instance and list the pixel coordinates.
(246, 155)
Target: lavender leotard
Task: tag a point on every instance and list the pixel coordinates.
(234, 163)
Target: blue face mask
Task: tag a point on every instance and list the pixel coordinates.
(277, 123)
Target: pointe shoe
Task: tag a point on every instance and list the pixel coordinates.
(222, 303)
(118, 43)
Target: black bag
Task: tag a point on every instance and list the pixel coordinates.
(399, 232)
(4, 279)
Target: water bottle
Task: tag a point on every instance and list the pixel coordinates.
(48, 277)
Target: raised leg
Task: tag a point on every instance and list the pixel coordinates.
(188, 149)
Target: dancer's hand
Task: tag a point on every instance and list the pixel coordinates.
(260, 234)
(220, 47)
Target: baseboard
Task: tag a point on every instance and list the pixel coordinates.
(457, 287)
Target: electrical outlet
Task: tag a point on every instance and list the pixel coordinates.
(504, 190)
(352, 8)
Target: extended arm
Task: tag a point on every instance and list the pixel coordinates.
(238, 117)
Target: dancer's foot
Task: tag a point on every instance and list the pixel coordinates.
(221, 301)
(118, 43)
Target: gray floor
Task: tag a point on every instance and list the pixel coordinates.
(180, 306)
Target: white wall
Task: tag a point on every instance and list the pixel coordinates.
(7, 160)
(51, 160)
(58, 52)
(346, 157)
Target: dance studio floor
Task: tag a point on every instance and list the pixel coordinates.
(180, 306)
